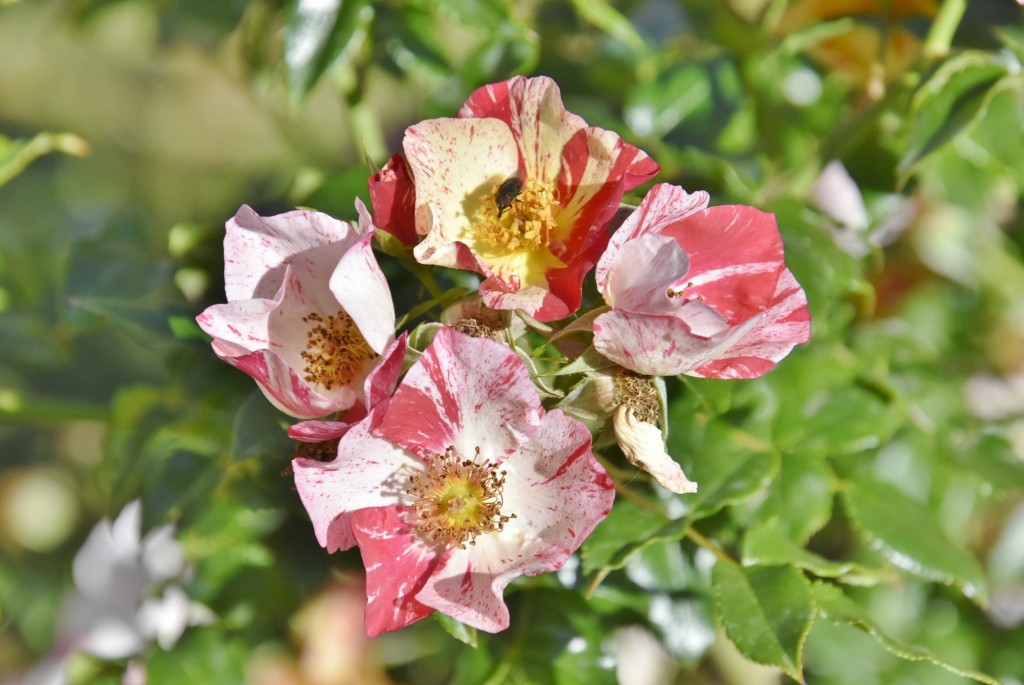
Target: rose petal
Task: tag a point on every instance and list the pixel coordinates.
(393, 195)
(363, 475)
(397, 565)
(463, 392)
(448, 193)
(644, 447)
(256, 247)
(362, 290)
(663, 205)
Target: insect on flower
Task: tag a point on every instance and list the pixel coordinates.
(507, 193)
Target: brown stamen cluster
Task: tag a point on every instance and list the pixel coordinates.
(525, 224)
(458, 499)
(638, 393)
(335, 349)
(321, 451)
(473, 327)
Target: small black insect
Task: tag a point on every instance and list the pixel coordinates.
(508, 191)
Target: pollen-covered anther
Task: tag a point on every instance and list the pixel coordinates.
(680, 291)
(527, 222)
(458, 499)
(637, 392)
(335, 350)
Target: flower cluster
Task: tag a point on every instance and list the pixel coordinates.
(452, 457)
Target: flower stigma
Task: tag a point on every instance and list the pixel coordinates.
(335, 349)
(520, 224)
(458, 499)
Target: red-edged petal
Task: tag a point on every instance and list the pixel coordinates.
(262, 338)
(397, 565)
(776, 331)
(665, 345)
(319, 431)
(393, 195)
(597, 168)
(663, 205)
(735, 259)
(463, 392)
(456, 162)
(532, 109)
(365, 475)
(257, 247)
(382, 380)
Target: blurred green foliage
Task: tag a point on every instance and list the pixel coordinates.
(863, 500)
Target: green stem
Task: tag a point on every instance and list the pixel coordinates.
(42, 144)
(940, 37)
(702, 541)
(618, 475)
(21, 408)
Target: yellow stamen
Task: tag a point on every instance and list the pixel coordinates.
(458, 499)
(525, 225)
(335, 350)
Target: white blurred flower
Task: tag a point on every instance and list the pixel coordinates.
(125, 596)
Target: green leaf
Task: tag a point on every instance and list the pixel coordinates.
(768, 543)
(910, 537)
(316, 35)
(626, 524)
(729, 466)
(840, 609)
(204, 655)
(800, 495)
(766, 611)
(558, 639)
(843, 420)
(460, 631)
(955, 96)
(259, 430)
(608, 19)
(661, 566)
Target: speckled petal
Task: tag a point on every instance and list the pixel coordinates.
(532, 109)
(463, 391)
(598, 167)
(455, 162)
(772, 336)
(397, 566)
(256, 248)
(665, 345)
(736, 259)
(264, 338)
(367, 473)
(663, 205)
(641, 276)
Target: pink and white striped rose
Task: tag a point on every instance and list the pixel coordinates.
(521, 191)
(698, 291)
(309, 310)
(455, 486)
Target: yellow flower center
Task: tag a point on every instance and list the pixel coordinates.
(517, 220)
(335, 350)
(458, 499)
